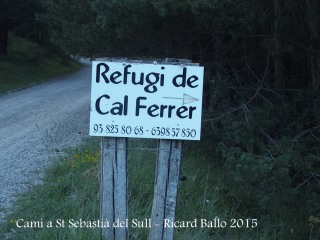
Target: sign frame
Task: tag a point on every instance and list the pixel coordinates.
(146, 100)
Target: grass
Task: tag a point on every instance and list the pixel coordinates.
(28, 63)
(70, 190)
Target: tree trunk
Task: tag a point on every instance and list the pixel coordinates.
(314, 26)
(3, 37)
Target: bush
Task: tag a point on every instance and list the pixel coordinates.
(268, 161)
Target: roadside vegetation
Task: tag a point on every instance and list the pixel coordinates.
(28, 63)
(70, 191)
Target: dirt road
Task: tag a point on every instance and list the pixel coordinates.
(35, 125)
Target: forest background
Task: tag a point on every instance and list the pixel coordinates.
(261, 117)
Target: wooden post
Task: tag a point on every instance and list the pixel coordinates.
(114, 187)
(166, 188)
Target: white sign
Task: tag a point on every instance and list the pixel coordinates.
(146, 100)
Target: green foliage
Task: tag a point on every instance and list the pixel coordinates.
(28, 63)
(160, 28)
(20, 18)
(72, 27)
(269, 163)
(19, 12)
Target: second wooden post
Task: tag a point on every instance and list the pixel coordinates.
(166, 188)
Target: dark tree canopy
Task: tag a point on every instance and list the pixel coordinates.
(18, 16)
(231, 34)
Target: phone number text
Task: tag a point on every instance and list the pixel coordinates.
(114, 129)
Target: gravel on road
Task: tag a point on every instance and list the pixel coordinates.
(36, 124)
